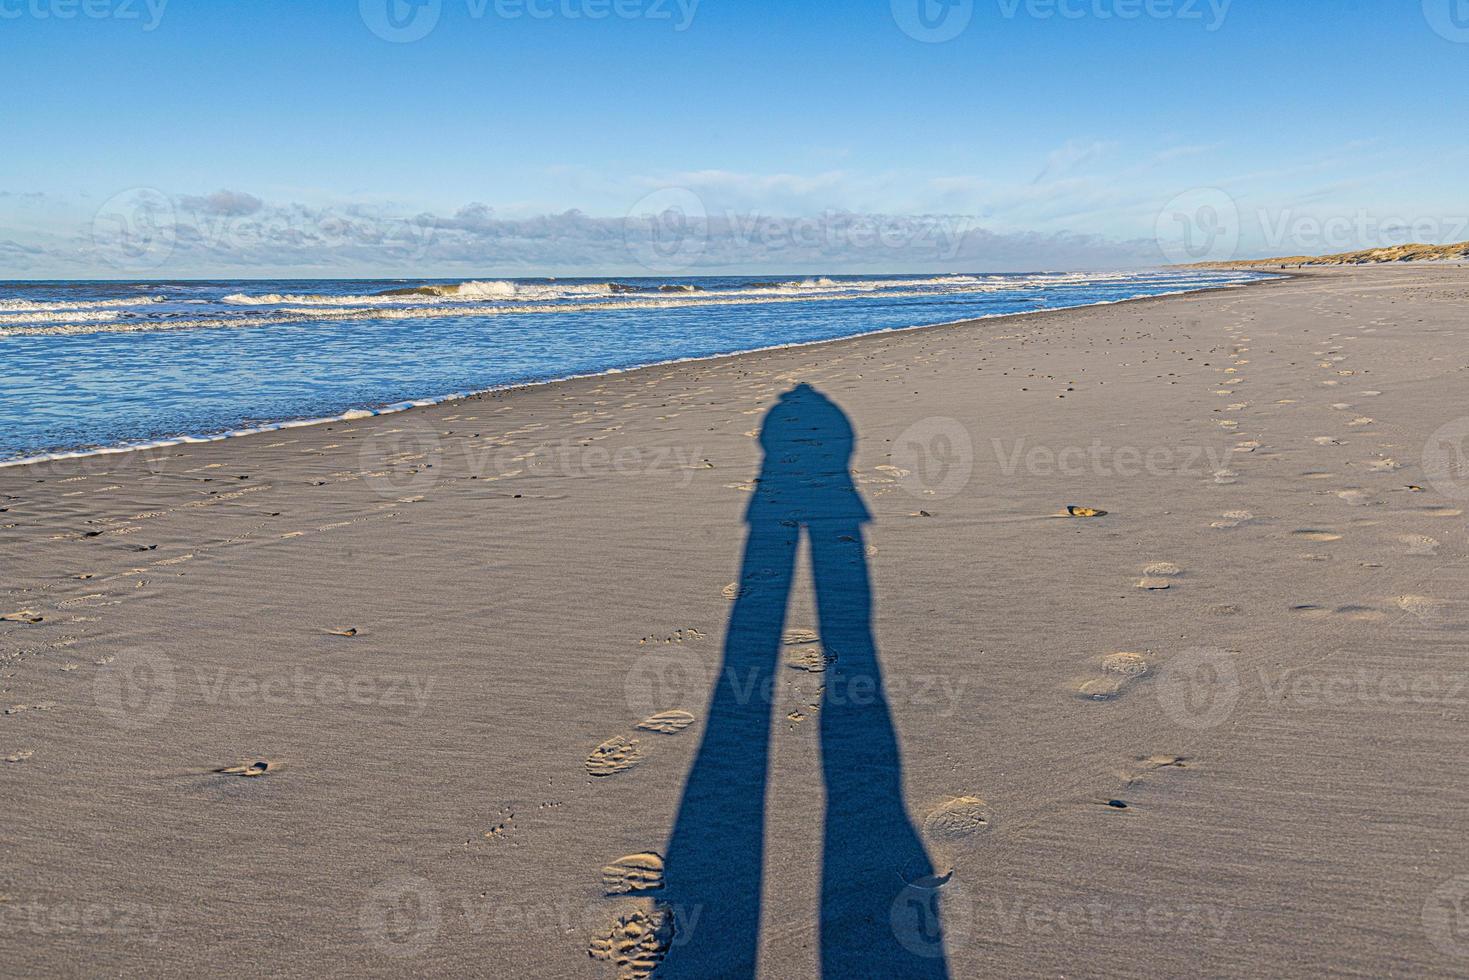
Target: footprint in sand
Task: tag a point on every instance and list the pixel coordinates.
(677, 636)
(1419, 544)
(504, 823)
(637, 941)
(249, 769)
(810, 658)
(617, 754)
(667, 722)
(805, 651)
(958, 820)
(1233, 518)
(16, 709)
(1158, 576)
(622, 752)
(1355, 613)
(29, 616)
(1316, 534)
(1119, 671)
(1141, 772)
(634, 873)
(1426, 609)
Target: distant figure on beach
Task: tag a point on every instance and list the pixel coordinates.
(871, 854)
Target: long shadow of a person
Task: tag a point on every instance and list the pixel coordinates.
(870, 853)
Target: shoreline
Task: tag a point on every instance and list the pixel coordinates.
(394, 408)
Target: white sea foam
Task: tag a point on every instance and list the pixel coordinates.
(471, 291)
(42, 306)
(506, 290)
(59, 316)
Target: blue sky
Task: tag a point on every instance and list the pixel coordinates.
(280, 137)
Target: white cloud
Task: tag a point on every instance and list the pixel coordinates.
(1072, 157)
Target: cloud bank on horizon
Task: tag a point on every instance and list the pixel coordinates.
(152, 234)
(1073, 214)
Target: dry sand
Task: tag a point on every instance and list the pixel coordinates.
(1258, 651)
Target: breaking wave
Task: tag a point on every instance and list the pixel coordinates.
(506, 290)
(495, 297)
(49, 305)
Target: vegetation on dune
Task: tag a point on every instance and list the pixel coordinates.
(1415, 252)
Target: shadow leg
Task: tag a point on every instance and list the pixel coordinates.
(717, 845)
(870, 849)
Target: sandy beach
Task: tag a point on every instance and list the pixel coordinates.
(422, 694)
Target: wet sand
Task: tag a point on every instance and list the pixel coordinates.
(419, 694)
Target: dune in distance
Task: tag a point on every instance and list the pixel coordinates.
(1415, 252)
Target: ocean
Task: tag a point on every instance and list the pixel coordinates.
(99, 366)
